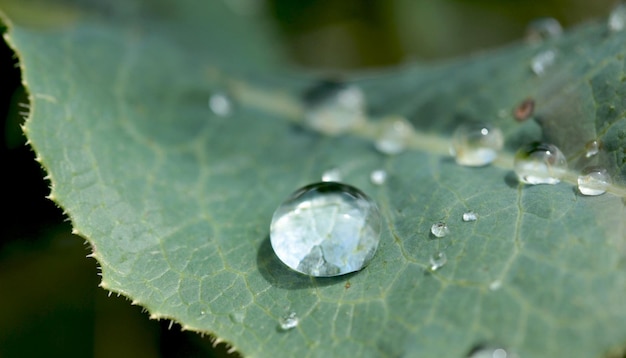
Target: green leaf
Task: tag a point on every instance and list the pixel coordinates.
(176, 201)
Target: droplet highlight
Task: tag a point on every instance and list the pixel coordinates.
(594, 181)
(378, 177)
(221, 104)
(439, 229)
(288, 321)
(617, 18)
(476, 145)
(540, 163)
(333, 174)
(438, 260)
(333, 107)
(542, 61)
(543, 29)
(592, 148)
(394, 135)
(470, 216)
(491, 352)
(326, 229)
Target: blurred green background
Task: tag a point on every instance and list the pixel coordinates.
(50, 303)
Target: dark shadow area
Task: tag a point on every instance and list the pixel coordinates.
(510, 179)
(279, 275)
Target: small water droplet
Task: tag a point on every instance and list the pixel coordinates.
(617, 18)
(543, 29)
(378, 177)
(332, 174)
(439, 229)
(438, 260)
(540, 163)
(333, 107)
(221, 104)
(288, 321)
(593, 181)
(524, 110)
(491, 352)
(495, 285)
(470, 216)
(542, 61)
(476, 145)
(326, 229)
(394, 136)
(237, 316)
(592, 148)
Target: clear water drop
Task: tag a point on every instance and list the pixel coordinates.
(333, 174)
(476, 145)
(237, 316)
(492, 352)
(221, 104)
(326, 229)
(542, 61)
(288, 321)
(394, 135)
(438, 260)
(540, 163)
(378, 177)
(470, 216)
(617, 18)
(495, 285)
(543, 29)
(439, 229)
(593, 181)
(592, 148)
(333, 107)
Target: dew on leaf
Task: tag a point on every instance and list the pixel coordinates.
(394, 135)
(288, 321)
(470, 216)
(221, 104)
(617, 18)
(592, 148)
(476, 144)
(491, 352)
(439, 229)
(524, 110)
(438, 260)
(542, 29)
(495, 285)
(593, 181)
(540, 163)
(333, 107)
(326, 229)
(332, 174)
(237, 316)
(542, 61)
(378, 177)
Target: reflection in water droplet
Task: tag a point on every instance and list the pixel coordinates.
(326, 229)
(540, 163)
(288, 321)
(592, 148)
(438, 260)
(439, 229)
(221, 104)
(525, 110)
(476, 144)
(332, 174)
(470, 216)
(543, 29)
(542, 61)
(394, 136)
(617, 18)
(594, 181)
(334, 107)
(378, 177)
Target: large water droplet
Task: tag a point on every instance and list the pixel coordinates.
(470, 216)
(540, 163)
(334, 108)
(476, 145)
(333, 174)
(542, 29)
(288, 321)
(593, 181)
(394, 136)
(326, 229)
(221, 104)
(592, 148)
(439, 229)
(378, 177)
(542, 61)
(617, 18)
(438, 260)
